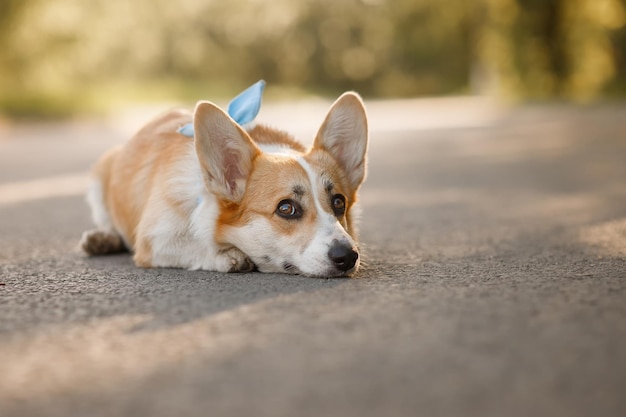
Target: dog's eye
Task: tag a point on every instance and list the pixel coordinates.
(289, 209)
(339, 205)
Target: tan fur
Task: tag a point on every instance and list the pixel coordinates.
(266, 135)
(262, 196)
(130, 173)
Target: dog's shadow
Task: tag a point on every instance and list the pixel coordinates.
(172, 297)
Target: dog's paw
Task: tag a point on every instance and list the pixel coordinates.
(234, 260)
(100, 242)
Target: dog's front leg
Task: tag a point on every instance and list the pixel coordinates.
(190, 254)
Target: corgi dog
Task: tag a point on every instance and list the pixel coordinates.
(231, 199)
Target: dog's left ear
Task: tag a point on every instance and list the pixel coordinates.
(225, 151)
(344, 135)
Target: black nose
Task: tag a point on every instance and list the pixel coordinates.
(343, 256)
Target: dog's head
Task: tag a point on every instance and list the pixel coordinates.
(288, 209)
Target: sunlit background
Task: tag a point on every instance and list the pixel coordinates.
(66, 56)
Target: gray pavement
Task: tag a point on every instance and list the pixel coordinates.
(495, 285)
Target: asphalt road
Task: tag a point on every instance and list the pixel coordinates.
(495, 283)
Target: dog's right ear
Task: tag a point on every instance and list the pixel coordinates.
(225, 151)
(344, 135)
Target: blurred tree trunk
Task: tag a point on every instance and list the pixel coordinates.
(9, 12)
(551, 27)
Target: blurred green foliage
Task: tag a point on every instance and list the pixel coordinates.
(556, 48)
(62, 55)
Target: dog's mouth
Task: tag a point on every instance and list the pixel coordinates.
(286, 267)
(331, 272)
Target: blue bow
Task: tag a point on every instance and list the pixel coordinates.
(243, 108)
